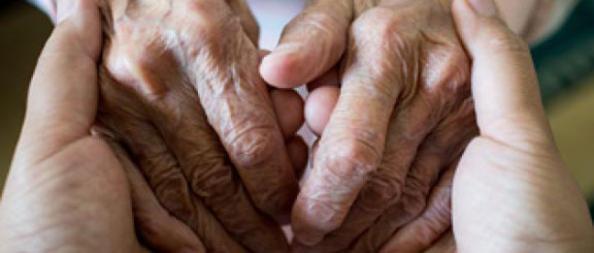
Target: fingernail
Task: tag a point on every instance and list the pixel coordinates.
(485, 8)
(65, 9)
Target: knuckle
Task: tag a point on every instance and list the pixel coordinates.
(160, 169)
(381, 22)
(451, 69)
(380, 192)
(273, 200)
(354, 157)
(207, 25)
(390, 45)
(414, 199)
(213, 180)
(320, 21)
(174, 196)
(382, 26)
(322, 216)
(253, 145)
(138, 64)
(435, 220)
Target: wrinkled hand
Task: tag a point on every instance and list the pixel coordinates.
(511, 191)
(67, 191)
(402, 116)
(180, 88)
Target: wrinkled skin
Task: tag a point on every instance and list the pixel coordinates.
(403, 116)
(180, 89)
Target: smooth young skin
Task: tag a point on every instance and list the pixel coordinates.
(71, 190)
(512, 192)
(66, 191)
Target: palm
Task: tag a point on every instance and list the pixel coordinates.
(524, 182)
(74, 196)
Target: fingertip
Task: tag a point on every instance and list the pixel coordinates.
(319, 107)
(476, 19)
(288, 106)
(79, 21)
(283, 69)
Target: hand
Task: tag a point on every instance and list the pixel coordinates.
(67, 191)
(403, 116)
(511, 192)
(181, 90)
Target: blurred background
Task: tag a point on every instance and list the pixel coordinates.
(565, 62)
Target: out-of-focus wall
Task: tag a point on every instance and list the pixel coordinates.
(23, 31)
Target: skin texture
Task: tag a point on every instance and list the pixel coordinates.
(66, 190)
(80, 190)
(512, 173)
(180, 90)
(402, 117)
(530, 167)
(514, 161)
(72, 188)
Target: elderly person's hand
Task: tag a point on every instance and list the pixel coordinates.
(68, 190)
(180, 89)
(403, 115)
(511, 191)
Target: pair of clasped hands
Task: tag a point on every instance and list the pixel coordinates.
(159, 125)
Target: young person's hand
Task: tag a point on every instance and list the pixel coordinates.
(66, 190)
(511, 192)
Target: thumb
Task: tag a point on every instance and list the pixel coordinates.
(311, 44)
(504, 83)
(62, 99)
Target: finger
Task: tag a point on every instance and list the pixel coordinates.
(330, 78)
(248, 21)
(161, 231)
(438, 151)
(319, 107)
(201, 157)
(288, 106)
(353, 141)
(298, 152)
(322, 99)
(445, 244)
(387, 183)
(62, 99)
(423, 232)
(122, 114)
(504, 82)
(311, 44)
(439, 221)
(240, 110)
(211, 177)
